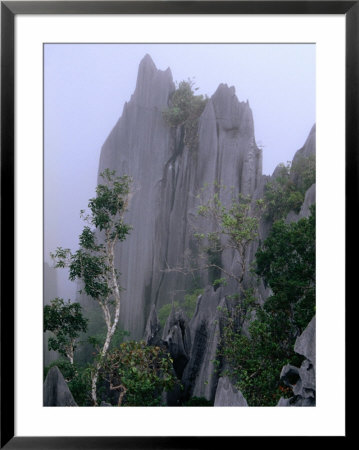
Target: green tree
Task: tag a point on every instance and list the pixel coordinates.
(286, 261)
(94, 262)
(235, 228)
(286, 192)
(66, 322)
(303, 172)
(139, 373)
(282, 196)
(184, 110)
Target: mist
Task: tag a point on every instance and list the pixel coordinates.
(87, 85)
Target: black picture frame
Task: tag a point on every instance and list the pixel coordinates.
(9, 9)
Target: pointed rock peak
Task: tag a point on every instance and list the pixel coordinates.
(56, 390)
(168, 72)
(278, 171)
(224, 89)
(153, 86)
(146, 69)
(147, 63)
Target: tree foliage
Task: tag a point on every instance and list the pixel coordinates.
(66, 322)
(187, 304)
(286, 192)
(185, 109)
(286, 261)
(139, 373)
(94, 262)
(233, 227)
(78, 379)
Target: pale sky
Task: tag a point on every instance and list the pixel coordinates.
(86, 86)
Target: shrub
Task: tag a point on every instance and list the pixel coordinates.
(185, 109)
(187, 304)
(303, 172)
(286, 193)
(66, 322)
(286, 261)
(139, 373)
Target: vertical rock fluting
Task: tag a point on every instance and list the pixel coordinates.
(139, 145)
(167, 176)
(201, 377)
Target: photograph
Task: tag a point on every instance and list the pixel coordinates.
(179, 247)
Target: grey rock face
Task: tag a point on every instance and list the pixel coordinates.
(153, 329)
(177, 339)
(139, 145)
(309, 146)
(228, 395)
(309, 200)
(167, 178)
(305, 343)
(302, 380)
(56, 391)
(200, 377)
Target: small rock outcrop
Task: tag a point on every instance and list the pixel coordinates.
(200, 376)
(228, 395)
(56, 391)
(152, 334)
(177, 340)
(301, 380)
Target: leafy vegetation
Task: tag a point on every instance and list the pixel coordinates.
(94, 262)
(198, 401)
(286, 193)
(78, 379)
(286, 261)
(138, 373)
(232, 227)
(185, 110)
(66, 322)
(133, 374)
(187, 304)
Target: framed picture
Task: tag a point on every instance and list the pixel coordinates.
(175, 98)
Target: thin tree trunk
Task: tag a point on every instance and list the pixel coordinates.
(110, 328)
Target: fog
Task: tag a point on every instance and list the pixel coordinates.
(86, 86)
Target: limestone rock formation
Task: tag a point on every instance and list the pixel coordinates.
(167, 177)
(152, 334)
(177, 340)
(302, 380)
(309, 147)
(228, 395)
(56, 391)
(200, 377)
